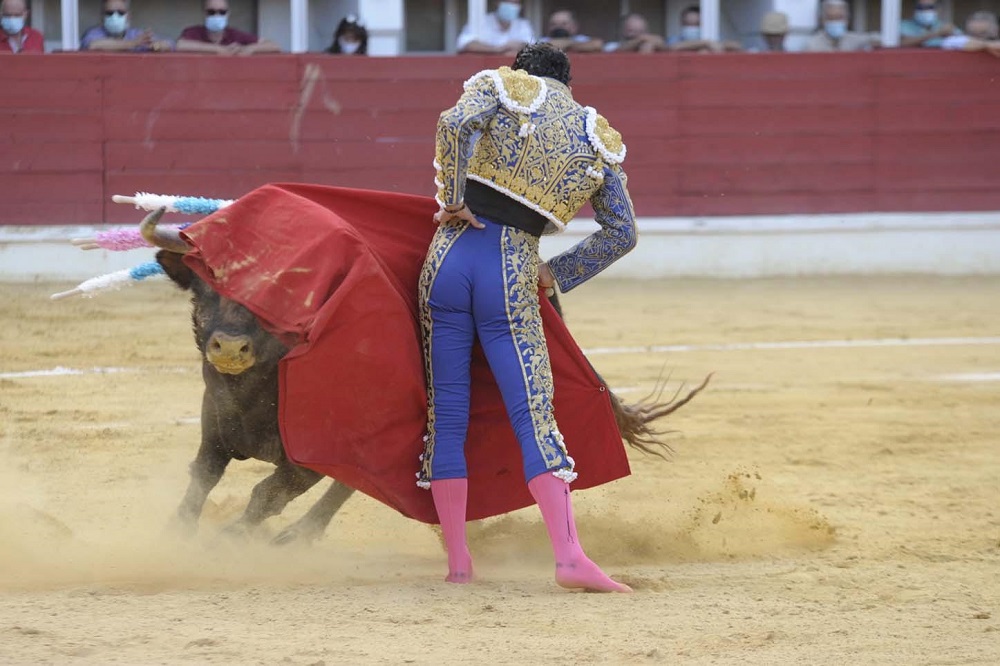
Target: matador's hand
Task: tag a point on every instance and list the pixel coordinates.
(463, 214)
(546, 280)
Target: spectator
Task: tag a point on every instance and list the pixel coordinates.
(690, 38)
(502, 31)
(16, 36)
(350, 38)
(833, 34)
(924, 29)
(564, 34)
(215, 35)
(773, 29)
(636, 37)
(981, 31)
(115, 34)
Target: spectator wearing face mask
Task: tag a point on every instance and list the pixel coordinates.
(115, 33)
(502, 31)
(690, 38)
(350, 38)
(564, 34)
(925, 28)
(215, 35)
(15, 35)
(636, 37)
(981, 34)
(833, 34)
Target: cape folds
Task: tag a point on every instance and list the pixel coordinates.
(333, 272)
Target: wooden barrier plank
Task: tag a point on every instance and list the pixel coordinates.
(72, 187)
(780, 149)
(53, 213)
(939, 89)
(772, 178)
(807, 67)
(172, 70)
(805, 203)
(955, 115)
(920, 175)
(776, 120)
(368, 124)
(205, 156)
(940, 148)
(848, 91)
(938, 201)
(51, 157)
(48, 95)
(50, 126)
(55, 68)
(151, 125)
(229, 96)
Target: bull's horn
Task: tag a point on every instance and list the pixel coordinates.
(166, 239)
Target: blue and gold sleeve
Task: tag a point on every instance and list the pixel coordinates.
(458, 130)
(617, 236)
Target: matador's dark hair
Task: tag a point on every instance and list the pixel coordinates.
(541, 59)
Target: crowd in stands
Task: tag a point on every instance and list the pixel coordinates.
(505, 31)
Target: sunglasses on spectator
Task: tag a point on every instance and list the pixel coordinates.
(930, 5)
(216, 12)
(112, 12)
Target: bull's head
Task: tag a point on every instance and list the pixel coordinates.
(227, 334)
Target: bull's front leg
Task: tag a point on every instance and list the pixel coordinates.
(270, 496)
(312, 525)
(206, 471)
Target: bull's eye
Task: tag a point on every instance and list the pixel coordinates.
(244, 349)
(216, 345)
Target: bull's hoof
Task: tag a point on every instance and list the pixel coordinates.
(297, 533)
(236, 531)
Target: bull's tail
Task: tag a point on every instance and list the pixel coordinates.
(635, 420)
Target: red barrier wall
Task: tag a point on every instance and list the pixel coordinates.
(707, 135)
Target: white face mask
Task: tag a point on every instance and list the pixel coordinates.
(12, 24)
(925, 17)
(217, 22)
(690, 33)
(836, 29)
(115, 24)
(350, 48)
(508, 11)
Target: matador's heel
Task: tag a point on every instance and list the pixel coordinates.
(573, 568)
(450, 499)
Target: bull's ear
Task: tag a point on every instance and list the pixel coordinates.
(175, 268)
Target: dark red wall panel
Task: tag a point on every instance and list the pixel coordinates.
(749, 134)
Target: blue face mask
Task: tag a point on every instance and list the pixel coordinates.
(508, 11)
(216, 23)
(690, 33)
(836, 29)
(115, 24)
(12, 24)
(925, 17)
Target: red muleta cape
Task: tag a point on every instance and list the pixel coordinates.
(333, 272)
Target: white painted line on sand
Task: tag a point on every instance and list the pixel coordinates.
(60, 371)
(972, 377)
(796, 344)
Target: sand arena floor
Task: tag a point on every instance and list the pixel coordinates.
(827, 504)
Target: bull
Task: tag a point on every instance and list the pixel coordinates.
(239, 417)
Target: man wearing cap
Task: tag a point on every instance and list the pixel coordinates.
(773, 29)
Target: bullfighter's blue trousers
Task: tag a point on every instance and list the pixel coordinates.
(484, 282)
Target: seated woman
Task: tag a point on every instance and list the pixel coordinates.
(350, 38)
